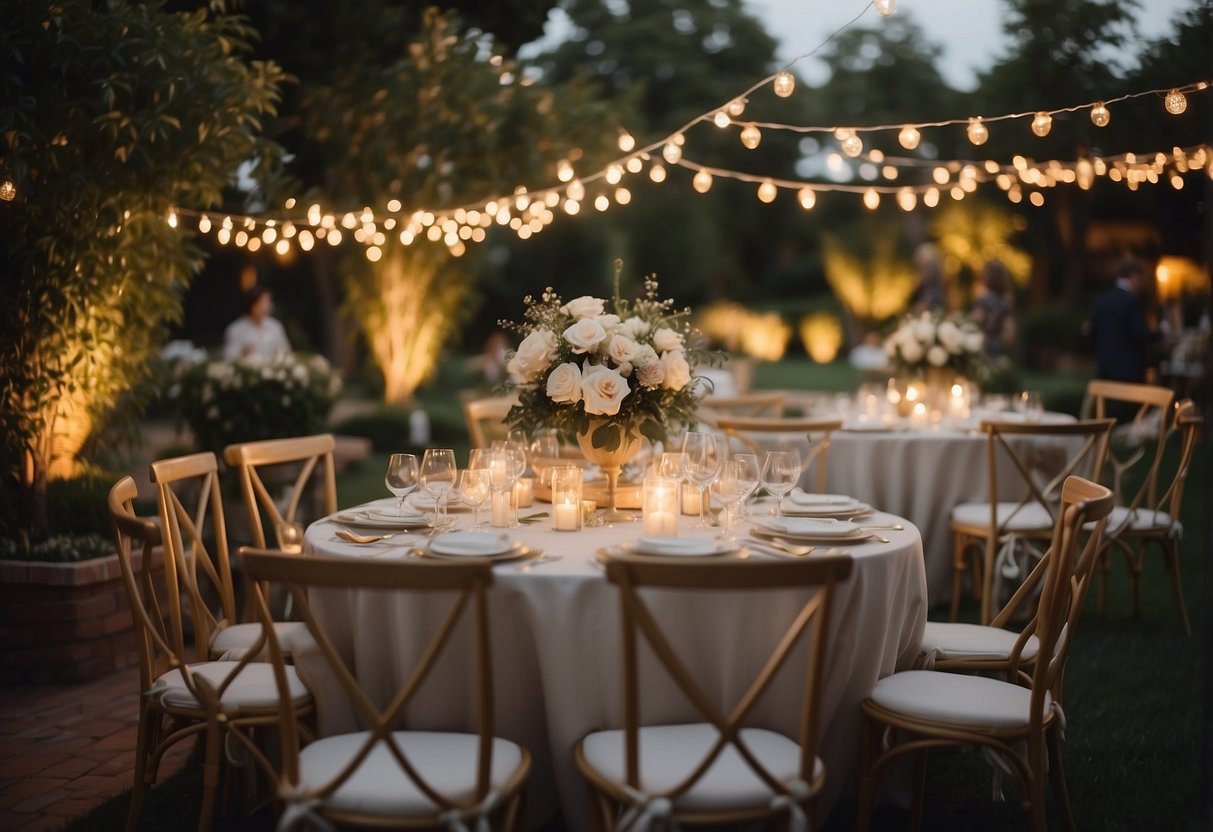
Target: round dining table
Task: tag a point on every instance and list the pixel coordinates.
(556, 635)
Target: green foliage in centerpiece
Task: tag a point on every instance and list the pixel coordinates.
(627, 371)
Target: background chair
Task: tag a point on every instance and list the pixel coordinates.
(713, 408)
(380, 776)
(751, 431)
(716, 771)
(305, 453)
(486, 419)
(1041, 457)
(1018, 727)
(179, 700)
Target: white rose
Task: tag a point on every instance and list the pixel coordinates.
(973, 342)
(609, 323)
(650, 375)
(924, 330)
(584, 307)
(635, 328)
(622, 349)
(645, 356)
(603, 392)
(937, 355)
(666, 339)
(911, 352)
(564, 384)
(676, 372)
(585, 335)
(950, 337)
(532, 356)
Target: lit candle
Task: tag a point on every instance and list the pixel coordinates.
(660, 524)
(501, 514)
(919, 416)
(524, 492)
(567, 517)
(692, 501)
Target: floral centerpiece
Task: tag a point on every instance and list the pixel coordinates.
(610, 376)
(933, 340)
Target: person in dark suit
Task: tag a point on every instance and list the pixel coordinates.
(1120, 332)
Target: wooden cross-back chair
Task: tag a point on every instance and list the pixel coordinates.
(180, 700)
(995, 529)
(1152, 515)
(313, 455)
(676, 771)
(486, 419)
(380, 776)
(751, 431)
(1137, 444)
(1019, 726)
(714, 408)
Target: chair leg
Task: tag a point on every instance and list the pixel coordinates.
(1036, 784)
(143, 737)
(920, 789)
(1103, 567)
(210, 777)
(1057, 778)
(959, 567)
(865, 791)
(987, 583)
(1171, 552)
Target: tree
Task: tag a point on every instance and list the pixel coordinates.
(111, 115)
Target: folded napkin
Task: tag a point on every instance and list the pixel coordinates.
(800, 497)
(471, 544)
(688, 547)
(392, 514)
(810, 526)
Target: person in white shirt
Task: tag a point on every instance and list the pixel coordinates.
(255, 332)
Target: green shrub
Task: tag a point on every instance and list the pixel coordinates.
(1046, 332)
(59, 548)
(387, 427)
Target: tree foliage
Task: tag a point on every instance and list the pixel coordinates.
(111, 114)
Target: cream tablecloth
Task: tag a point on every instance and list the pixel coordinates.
(556, 659)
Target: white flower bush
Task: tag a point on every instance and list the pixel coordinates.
(932, 339)
(624, 372)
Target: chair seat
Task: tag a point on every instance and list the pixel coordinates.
(668, 753)
(956, 699)
(253, 687)
(1031, 517)
(1139, 520)
(379, 786)
(235, 639)
(950, 641)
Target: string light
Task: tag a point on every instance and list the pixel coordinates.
(871, 199)
(8, 190)
(657, 172)
(909, 137)
(886, 7)
(1042, 124)
(721, 119)
(172, 219)
(977, 131)
(851, 144)
(671, 152)
(807, 198)
(1175, 102)
(750, 136)
(1100, 115)
(564, 170)
(702, 181)
(784, 84)
(736, 107)
(767, 191)
(626, 141)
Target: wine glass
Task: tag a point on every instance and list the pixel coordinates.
(438, 477)
(780, 474)
(701, 457)
(474, 486)
(478, 458)
(515, 467)
(401, 478)
(1031, 406)
(728, 489)
(748, 475)
(544, 452)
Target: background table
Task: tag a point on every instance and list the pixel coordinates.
(556, 635)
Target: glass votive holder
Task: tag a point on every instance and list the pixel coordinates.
(524, 492)
(692, 500)
(501, 513)
(659, 506)
(566, 498)
(589, 513)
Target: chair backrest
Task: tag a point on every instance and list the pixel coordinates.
(198, 548)
(1186, 426)
(1065, 585)
(304, 578)
(486, 419)
(1137, 444)
(750, 431)
(631, 574)
(713, 408)
(307, 453)
(157, 619)
(1044, 456)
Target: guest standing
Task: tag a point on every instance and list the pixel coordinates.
(256, 332)
(1119, 330)
(994, 311)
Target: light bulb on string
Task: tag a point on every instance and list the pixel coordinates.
(283, 247)
(564, 170)
(931, 197)
(602, 202)
(657, 172)
(767, 191)
(977, 131)
(909, 137)
(871, 199)
(634, 165)
(8, 190)
(702, 181)
(736, 107)
(615, 173)
(1100, 115)
(851, 144)
(306, 241)
(623, 196)
(672, 152)
(784, 84)
(204, 223)
(721, 119)
(886, 7)
(575, 190)
(1042, 124)
(807, 198)
(750, 136)
(626, 141)
(907, 199)
(254, 244)
(1175, 102)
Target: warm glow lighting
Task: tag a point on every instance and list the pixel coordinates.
(721, 119)
(306, 241)
(941, 175)
(283, 247)
(767, 191)
(852, 145)
(626, 141)
(254, 244)
(702, 181)
(172, 219)
(736, 107)
(977, 131)
(241, 237)
(909, 137)
(931, 197)
(886, 7)
(393, 206)
(672, 152)
(564, 170)
(807, 198)
(1100, 115)
(750, 136)
(204, 223)
(907, 199)
(623, 196)
(1042, 124)
(270, 234)
(657, 172)
(615, 173)
(634, 165)
(1175, 102)
(571, 206)
(1037, 198)
(575, 190)
(602, 202)
(871, 199)
(784, 84)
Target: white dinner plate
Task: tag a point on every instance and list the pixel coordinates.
(424, 502)
(364, 520)
(391, 514)
(472, 545)
(681, 547)
(872, 427)
(816, 526)
(857, 536)
(808, 499)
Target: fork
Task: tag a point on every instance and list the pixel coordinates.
(363, 539)
(539, 561)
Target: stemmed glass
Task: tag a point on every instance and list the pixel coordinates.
(1031, 406)
(701, 459)
(401, 478)
(728, 489)
(438, 477)
(748, 475)
(544, 451)
(474, 486)
(780, 474)
(515, 467)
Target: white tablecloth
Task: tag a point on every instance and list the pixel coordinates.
(556, 658)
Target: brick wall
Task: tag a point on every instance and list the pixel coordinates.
(64, 622)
